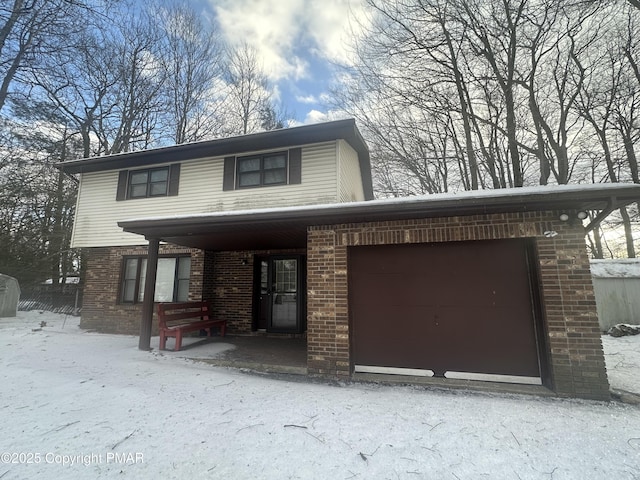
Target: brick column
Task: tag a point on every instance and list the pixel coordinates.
(327, 318)
(574, 338)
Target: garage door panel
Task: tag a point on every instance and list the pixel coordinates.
(455, 307)
(441, 341)
(375, 347)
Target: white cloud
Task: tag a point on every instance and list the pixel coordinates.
(285, 31)
(309, 99)
(266, 27)
(333, 24)
(316, 116)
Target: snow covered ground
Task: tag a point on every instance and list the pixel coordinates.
(78, 405)
(622, 356)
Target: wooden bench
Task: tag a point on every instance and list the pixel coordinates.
(175, 319)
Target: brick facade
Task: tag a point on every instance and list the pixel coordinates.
(569, 319)
(101, 309)
(574, 348)
(228, 284)
(223, 278)
(229, 287)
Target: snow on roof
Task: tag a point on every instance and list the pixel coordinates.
(616, 268)
(466, 196)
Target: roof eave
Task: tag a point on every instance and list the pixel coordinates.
(360, 212)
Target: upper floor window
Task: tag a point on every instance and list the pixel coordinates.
(148, 182)
(262, 170)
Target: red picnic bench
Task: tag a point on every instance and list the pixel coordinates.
(174, 319)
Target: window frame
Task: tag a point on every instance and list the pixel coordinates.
(149, 183)
(262, 170)
(123, 191)
(138, 291)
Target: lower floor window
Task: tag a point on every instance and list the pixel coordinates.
(172, 279)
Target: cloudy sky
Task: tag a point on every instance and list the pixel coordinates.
(297, 41)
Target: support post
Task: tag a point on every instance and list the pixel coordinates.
(149, 294)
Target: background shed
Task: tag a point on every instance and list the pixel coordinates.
(617, 288)
(9, 296)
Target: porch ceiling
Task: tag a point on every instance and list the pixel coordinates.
(287, 227)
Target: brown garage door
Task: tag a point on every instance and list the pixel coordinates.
(445, 307)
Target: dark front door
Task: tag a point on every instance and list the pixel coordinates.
(280, 303)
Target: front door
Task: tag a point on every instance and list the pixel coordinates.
(279, 286)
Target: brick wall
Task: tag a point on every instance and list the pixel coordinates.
(229, 288)
(574, 348)
(228, 284)
(570, 325)
(224, 278)
(101, 309)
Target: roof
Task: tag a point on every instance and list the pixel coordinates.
(286, 227)
(273, 139)
(616, 268)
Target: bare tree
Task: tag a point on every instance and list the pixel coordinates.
(497, 41)
(554, 82)
(627, 106)
(30, 30)
(409, 88)
(609, 102)
(132, 111)
(38, 201)
(109, 85)
(191, 59)
(249, 100)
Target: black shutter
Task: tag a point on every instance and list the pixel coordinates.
(295, 165)
(174, 179)
(121, 193)
(229, 176)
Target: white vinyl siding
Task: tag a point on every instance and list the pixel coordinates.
(200, 191)
(350, 187)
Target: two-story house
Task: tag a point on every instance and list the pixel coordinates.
(318, 164)
(279, 230)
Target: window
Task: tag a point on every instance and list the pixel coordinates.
(172, 279)
(149, 182)
(262, 170)
(286, 275)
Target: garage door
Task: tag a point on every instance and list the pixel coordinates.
(458, 309)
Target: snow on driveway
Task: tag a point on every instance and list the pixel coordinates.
(78, 405)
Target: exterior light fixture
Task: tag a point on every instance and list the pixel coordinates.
(579, 215)
(550, 233)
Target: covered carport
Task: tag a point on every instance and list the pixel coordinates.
(539, 225)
